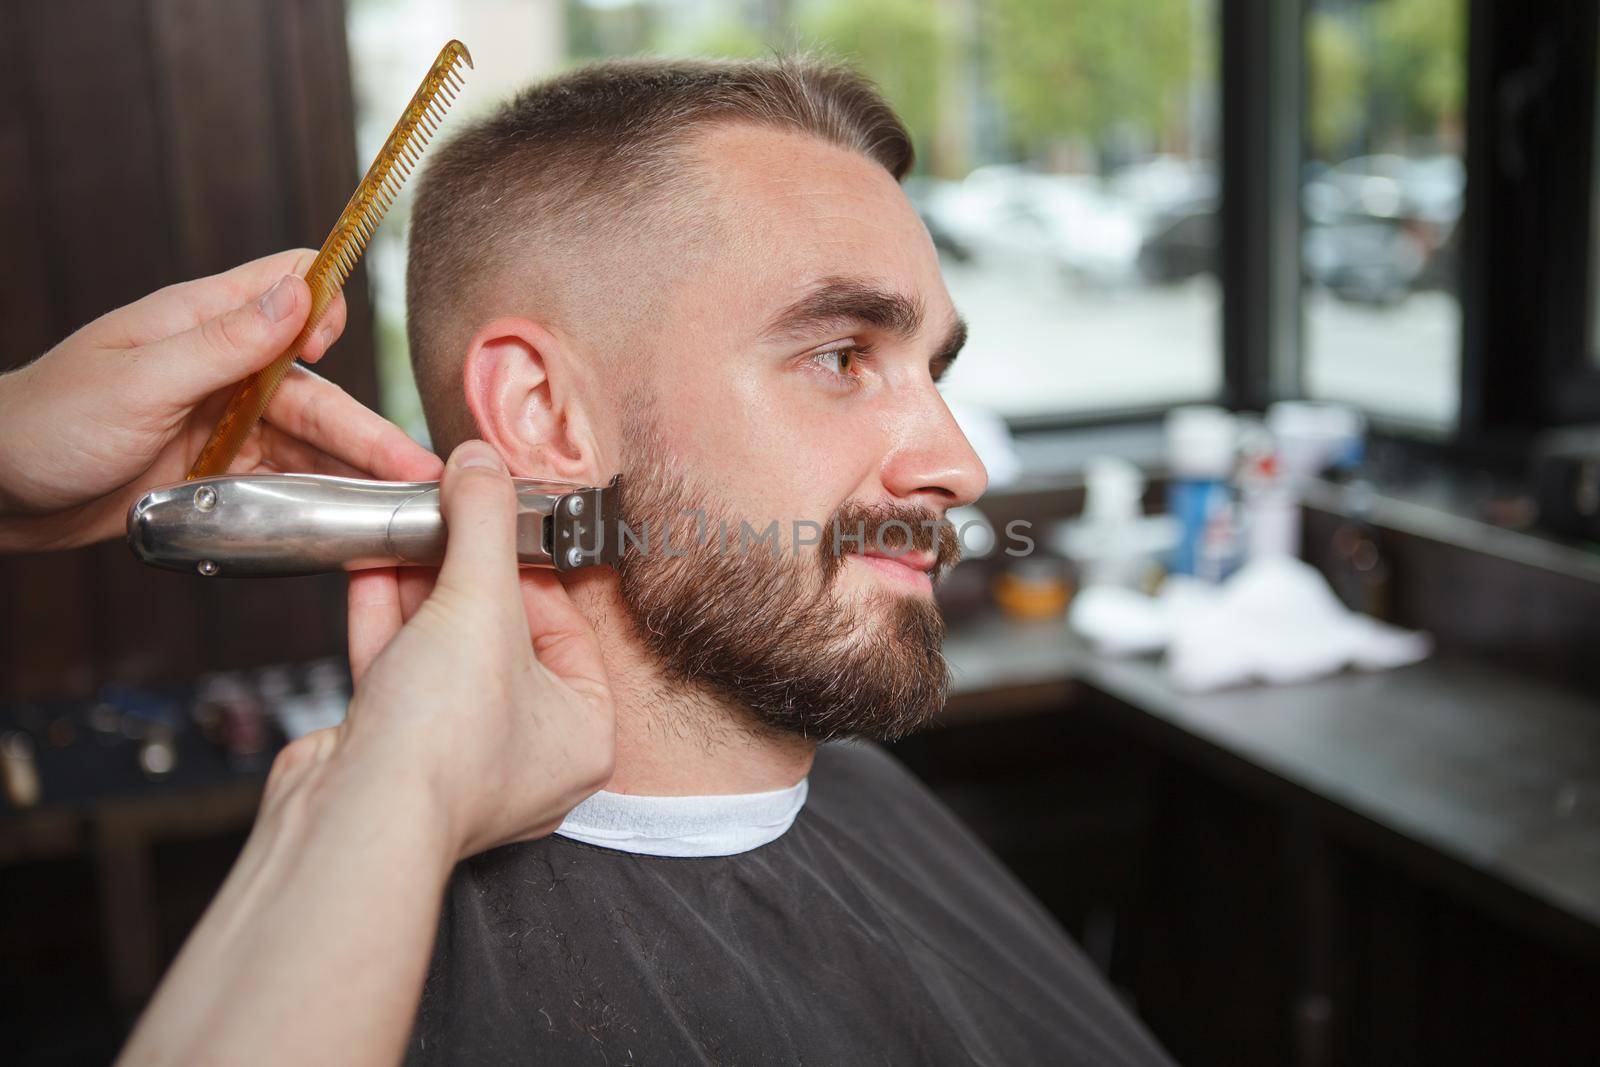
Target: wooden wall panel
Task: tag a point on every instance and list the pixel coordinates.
(153, 141)
(28, 585)
(219, 145)
(230, 204)
(26, 316)
(113, 237)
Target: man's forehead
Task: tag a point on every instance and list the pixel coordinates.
(765, 165)
(816, 225)
(803, 195)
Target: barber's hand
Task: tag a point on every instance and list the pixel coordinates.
(127, 402)
(490, 697)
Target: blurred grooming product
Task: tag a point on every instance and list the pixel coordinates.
(19, 772)
(1314, 437)
(1270, 507)
(158, 752)
(1202, 445)
(230, 713)
(1301, 440)
(1329, 440)
(1033, 589)
(1115, 542)
(149, 718)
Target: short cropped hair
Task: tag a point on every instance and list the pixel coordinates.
(594, 159)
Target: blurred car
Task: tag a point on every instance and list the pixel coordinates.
(921, 190)
(1364, 261)
(1180, 243)
(1165, 184)
(1017, 217)
(1379, 227)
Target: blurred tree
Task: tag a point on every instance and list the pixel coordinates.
(1419, 64)
(904, 45)
(1065, 69)
(1336, 96)
(595, 31)
(724, 37)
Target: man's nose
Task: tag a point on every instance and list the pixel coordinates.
(933, 463)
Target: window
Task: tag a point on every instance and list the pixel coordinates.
(391, 44)
(1067, 163)
(1382, 195)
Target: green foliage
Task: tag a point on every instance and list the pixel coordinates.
(1384, 74)
(598, 32)
(903, 45)
(1336, 85)
(1081, 68)
(1421, 59)
(726, 38)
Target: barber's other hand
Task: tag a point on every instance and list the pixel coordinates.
(488, 701)
(127, 402)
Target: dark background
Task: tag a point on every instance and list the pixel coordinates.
(144, 144)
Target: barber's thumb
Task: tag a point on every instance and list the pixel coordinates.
(480, 516)
(225, 349)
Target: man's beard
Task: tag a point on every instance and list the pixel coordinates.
(771, 629)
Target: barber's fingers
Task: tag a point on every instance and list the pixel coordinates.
(480, 515)
(563, 640)
(324, 417)
(270, 450)
(329, 330)
(416, 586)
(181, 307)
(374, 616)
(181, 370)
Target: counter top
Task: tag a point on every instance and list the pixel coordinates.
(1496, 775)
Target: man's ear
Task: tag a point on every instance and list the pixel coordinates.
(520, 382)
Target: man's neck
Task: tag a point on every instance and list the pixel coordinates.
(678, 740)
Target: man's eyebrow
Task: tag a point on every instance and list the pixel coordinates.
(947, 352)
(843, 302)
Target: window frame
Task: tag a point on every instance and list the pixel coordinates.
(1530, 257)
(1261, 91)
(1527, 362)
(1257, 260)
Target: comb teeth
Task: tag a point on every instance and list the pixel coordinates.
(340, 253)
(395, 161)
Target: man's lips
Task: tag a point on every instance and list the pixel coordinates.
(917, 561)
(911, 568)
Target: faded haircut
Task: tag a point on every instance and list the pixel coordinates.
(519, 212)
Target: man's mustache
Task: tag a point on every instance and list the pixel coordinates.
(882, 529)
(892, 530)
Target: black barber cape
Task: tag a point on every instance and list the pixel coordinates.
(875, 930)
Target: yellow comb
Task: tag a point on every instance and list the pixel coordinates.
(342, 250)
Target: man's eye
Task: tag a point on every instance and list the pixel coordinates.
(841, 362)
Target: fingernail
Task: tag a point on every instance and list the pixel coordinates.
(278, 301)
(477, 454)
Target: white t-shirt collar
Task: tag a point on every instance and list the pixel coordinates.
(684, 826)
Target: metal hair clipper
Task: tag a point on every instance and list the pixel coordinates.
(278, 525)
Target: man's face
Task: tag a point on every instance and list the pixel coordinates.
(795, 381)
